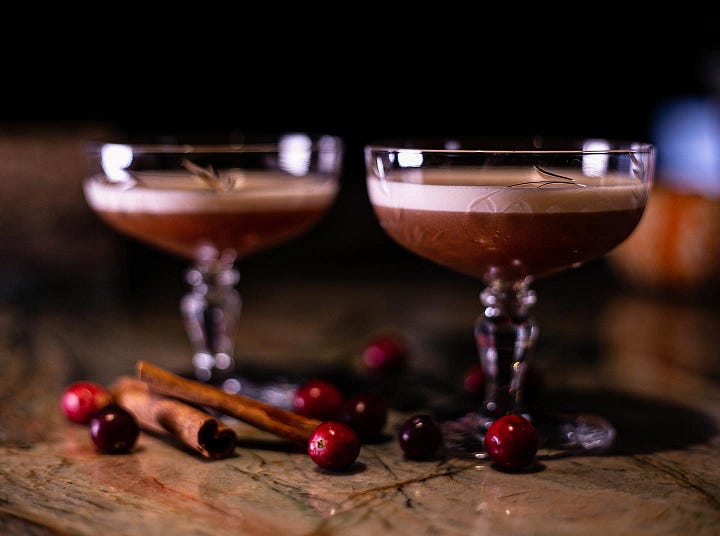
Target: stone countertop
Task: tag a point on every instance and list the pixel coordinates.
(650, 364)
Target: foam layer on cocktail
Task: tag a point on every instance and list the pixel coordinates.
(179, 192)
(505, 191)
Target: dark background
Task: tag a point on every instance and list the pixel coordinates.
(365, 71)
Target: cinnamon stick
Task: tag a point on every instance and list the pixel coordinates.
(278, 421)
(157, 414)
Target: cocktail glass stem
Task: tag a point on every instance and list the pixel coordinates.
(505, 336)
(211, 311)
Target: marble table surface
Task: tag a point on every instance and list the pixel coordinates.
(650, 364)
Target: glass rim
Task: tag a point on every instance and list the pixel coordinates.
(316, 145)
(614, 146)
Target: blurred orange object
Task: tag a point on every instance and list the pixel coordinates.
(676, 245)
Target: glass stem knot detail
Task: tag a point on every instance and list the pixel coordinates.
(505, 336)
(211, 312)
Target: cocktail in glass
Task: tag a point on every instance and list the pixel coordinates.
(213, 205)
(506, 215)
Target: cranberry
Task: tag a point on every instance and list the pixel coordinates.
(511, 442)
(334, 445)
(385, 354)
(420, 437)
(114, 429)
(318, 399)
(366, 413)
(81, 400)
(474, 381)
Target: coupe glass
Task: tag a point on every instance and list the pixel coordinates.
(507, 214)
(213, 205)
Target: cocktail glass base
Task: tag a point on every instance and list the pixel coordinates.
(564, 433)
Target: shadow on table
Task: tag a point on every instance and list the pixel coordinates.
(644, 425)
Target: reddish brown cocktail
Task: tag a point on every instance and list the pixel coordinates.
(502, 232)
(181, 213)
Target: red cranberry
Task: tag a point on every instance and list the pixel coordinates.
(420, 437)
(385, 354)
(81, 400)
(318, 399)
(334, 445)
(511, 442)
(474, 381)
(366, 413)
(114, 429)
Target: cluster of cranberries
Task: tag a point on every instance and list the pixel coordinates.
(335, 444)
(349, 421)
(112, 428)
(511, 441)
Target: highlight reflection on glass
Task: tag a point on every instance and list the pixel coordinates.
(115, 159)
